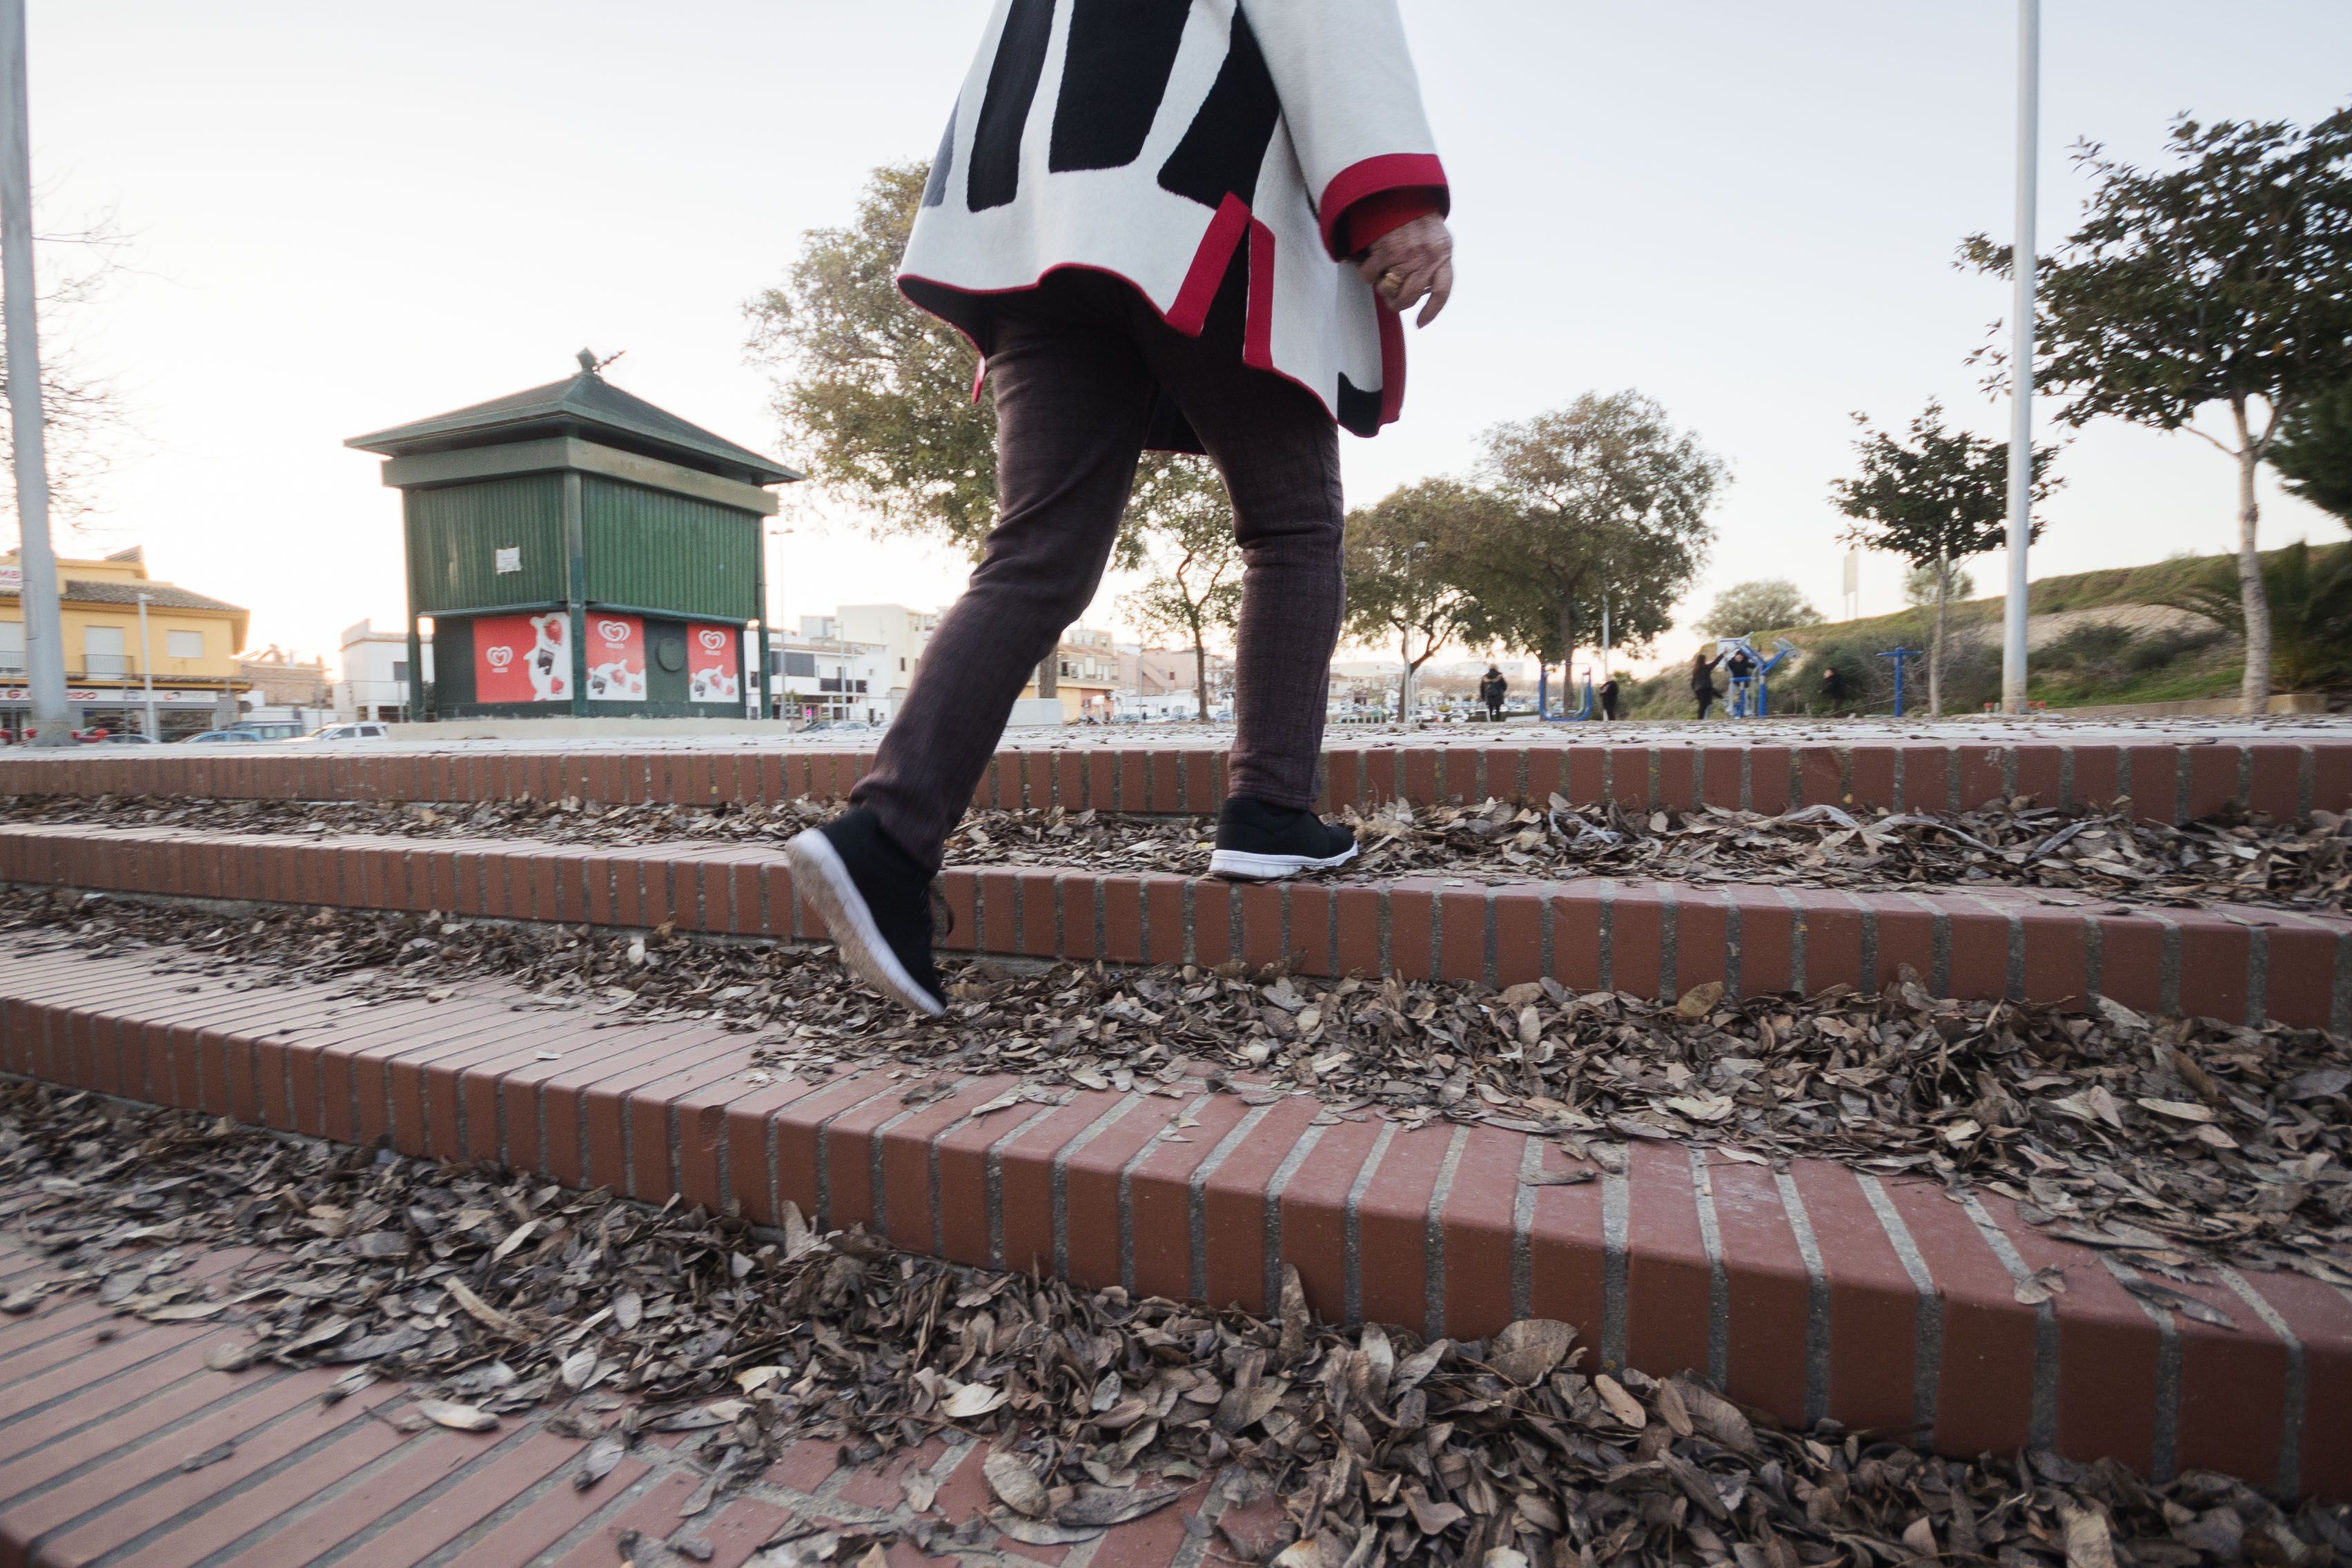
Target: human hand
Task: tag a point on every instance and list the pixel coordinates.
(1411, 264)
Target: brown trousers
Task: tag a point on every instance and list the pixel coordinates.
(1080, 369)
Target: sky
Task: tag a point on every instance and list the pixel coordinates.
(339, 219)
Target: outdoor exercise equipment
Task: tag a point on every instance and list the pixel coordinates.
(1543, 696)
(1902, 657)
(1756, 683)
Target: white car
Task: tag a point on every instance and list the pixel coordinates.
(369, 730)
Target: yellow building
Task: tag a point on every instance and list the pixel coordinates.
(1088, 662)
(192, 641)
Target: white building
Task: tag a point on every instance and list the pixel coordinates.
(818, 678)
(375, 674)
(900, 633)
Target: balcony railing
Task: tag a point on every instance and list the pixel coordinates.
(106, 664)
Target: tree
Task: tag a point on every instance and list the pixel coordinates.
(1936, 501)
(1196, 583)
(1404, 556)
(875, 394)
(2227, 279)
(81, 410)
(1768, 604)
(2314, 451)
(1921, 583)
(2310, 605)
(1603, 502)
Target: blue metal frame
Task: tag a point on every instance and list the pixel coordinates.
(1783, 647)
(1901, 657)
(1543, 697)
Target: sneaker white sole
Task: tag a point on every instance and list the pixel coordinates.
(1239, 866)
(818, 874)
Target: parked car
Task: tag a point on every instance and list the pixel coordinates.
(271, 730)
(364, 731)
(240, 737)
(125, 737)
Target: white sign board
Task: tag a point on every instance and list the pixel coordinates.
(12, 579)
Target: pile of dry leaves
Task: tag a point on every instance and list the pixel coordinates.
(2176, 1139)
(495, 1295)
(2106, 854)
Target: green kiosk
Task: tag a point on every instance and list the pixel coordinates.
(580, 552)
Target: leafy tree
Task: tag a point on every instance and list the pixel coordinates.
(1603, 500)
(2314, 451)
(2310, 606)
(1745, 608)
(1935, 500)
(1196, 583)
(1403, 558)
(876, 395)
(2225, 278)
(1920, 584)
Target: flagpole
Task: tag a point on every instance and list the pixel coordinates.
(45, 656)
(2020, 378)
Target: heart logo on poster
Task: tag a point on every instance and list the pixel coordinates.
(612, 631)
(500, 657)
(713, 639)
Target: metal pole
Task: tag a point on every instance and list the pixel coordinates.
(147, 670)
(2021, 376)
(45, 651)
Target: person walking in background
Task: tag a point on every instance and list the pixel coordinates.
(1833, 689)
(1702, 679)
(1492, 691)
(1170, 225)
(1609, 698)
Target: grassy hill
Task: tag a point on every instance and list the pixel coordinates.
(2089, 649)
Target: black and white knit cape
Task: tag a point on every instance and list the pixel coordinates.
(1173, 144)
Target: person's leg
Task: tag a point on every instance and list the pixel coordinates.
(1071, 404)
(1279, 453)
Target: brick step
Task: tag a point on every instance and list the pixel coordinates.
(92, 1433)
(1645, 937)
(1817, 1292)
(2168, 778)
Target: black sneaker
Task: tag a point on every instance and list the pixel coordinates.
(1261, 843)
(877, 903)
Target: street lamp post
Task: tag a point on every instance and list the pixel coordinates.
(44, 650)
(2020, 374)
(147, 670)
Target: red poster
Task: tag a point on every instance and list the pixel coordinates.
(710, 664)
(522, 658)
(616, 658)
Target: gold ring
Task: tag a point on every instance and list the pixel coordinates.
(1392, 280)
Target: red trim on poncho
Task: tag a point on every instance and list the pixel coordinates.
(1389, 171)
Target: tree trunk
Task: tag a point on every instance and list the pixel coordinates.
(1936, 650)
(1049, 675)
(1201, 674)
(2255, 688)
(1405, 681)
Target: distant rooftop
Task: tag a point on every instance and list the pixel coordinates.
(586, 405)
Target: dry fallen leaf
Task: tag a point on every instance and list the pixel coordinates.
(1528, 1350)
(2041, 1285)
(1011, 1479)
(456, 1417)
(1699, 1001)
(971, 1400)
(1622, 1404)
(597, 1462)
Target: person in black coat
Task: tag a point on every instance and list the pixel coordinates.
(1833, 689)
(1492, 689)
(1609, 698)
(1702, 679)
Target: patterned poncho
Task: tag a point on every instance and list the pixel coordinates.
(1209, 153)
